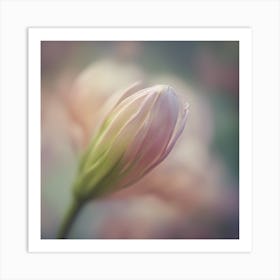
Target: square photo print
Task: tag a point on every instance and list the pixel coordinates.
(139, 139)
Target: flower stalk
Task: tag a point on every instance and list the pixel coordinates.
(69, 219)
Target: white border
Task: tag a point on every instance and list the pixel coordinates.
(36, 35)
(262, 262)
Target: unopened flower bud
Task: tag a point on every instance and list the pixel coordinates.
(135, 136)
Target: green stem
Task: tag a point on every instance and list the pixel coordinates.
(69, 219)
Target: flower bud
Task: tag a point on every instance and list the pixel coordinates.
(136, 135)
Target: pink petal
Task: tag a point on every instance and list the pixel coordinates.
(153, 143)
(178, 131)
(162, 123)
(129, 91)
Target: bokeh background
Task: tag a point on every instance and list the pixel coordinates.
(194, 193)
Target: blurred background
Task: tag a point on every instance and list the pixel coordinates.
(194, 192)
